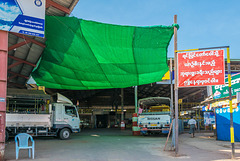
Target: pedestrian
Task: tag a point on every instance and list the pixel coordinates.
(193, 124)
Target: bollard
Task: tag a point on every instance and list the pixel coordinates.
(122, 125)
(135, 128)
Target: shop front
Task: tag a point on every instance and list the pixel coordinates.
(218, 103)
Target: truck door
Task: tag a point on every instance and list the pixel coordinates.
(71, 117)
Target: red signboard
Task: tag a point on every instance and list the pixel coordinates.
(201, 68)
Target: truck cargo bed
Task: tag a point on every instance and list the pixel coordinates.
(28, 120)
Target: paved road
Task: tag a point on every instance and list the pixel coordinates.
(117, 145)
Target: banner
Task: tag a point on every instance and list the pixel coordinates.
(201, 68)
(221, 91)
(23, 16)
(209, 118)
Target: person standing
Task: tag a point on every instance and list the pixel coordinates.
(193, 124)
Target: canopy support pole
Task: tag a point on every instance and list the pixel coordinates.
(135, 94)
(171, 103)
(176, 85)
(230, 103)
(122, 96)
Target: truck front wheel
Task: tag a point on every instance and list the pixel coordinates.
(64, 134)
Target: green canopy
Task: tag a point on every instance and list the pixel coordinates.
(81, 54)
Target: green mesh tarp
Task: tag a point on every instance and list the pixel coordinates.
(82, 54)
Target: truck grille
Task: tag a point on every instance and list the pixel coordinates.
(154, 128)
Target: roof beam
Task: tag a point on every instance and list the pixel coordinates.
(17, 74)
(30, 39)
(14, 64)
(21, 60)
(58, 6)
(13, 76)
(194, 93)
(47, 5)
(18, 45)
(15, 84)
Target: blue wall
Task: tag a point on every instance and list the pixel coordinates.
(223, 123)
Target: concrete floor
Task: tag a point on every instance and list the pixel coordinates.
(117, 145)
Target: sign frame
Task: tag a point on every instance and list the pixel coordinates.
(197, 70)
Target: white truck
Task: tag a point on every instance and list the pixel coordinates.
(154, 115)
(62, 120)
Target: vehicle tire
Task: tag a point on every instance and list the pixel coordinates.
(65, 134)
(6, 135)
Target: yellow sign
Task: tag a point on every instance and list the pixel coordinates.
(179, 100)
(160, 107)
(153, 124)
(166, 76)
(41, 88)
(223, 103)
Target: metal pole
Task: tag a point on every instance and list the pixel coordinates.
(116, 108)
(215, 130)
(171, 103)
(122, 94)
(203, 48)
(136, 104)
(198, 121)
(230, 104)
(3, 88)
(176, 86)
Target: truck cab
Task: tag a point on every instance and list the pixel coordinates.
(154, 115)
(65, 116)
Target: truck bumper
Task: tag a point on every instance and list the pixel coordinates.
(163, 130)
(76, 130)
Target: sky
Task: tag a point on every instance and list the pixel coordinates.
(9, 10)
(203, 23)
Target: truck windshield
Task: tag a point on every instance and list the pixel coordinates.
(70, 110)
(160, 105)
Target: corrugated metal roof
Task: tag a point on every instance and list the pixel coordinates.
(30, 53)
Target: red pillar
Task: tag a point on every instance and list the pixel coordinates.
(3, 88)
